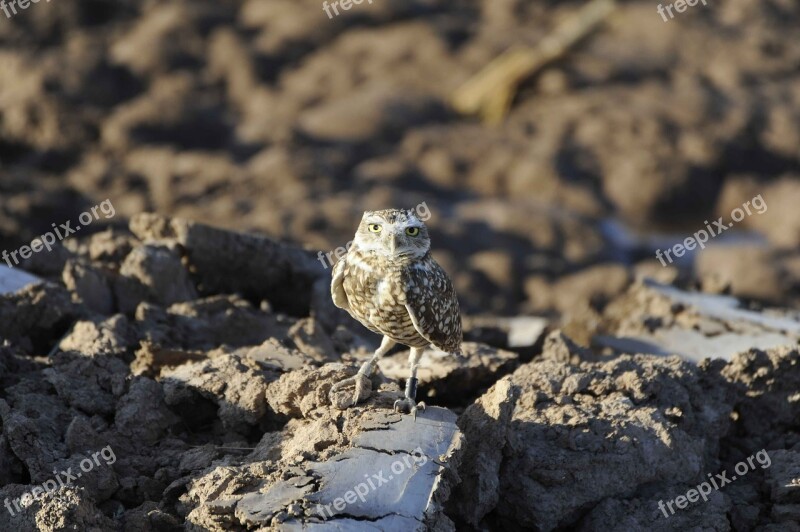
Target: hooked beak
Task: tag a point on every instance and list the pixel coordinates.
(392, 243)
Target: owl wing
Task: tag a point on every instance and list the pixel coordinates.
(432, 304)
(337, 286)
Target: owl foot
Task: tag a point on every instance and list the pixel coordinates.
(409, 405)
(363, 389)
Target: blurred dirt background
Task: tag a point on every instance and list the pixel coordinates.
(269, 116)
(266, 117)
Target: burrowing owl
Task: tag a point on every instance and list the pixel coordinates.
(390, 283)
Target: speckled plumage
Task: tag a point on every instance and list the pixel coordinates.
(405, 296)
(390, 283)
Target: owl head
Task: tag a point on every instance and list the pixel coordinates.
(394, 233)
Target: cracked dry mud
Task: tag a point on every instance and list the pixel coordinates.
(217, 406)
(202, 352)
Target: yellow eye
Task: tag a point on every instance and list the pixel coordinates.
(412, 231)
(375, 228)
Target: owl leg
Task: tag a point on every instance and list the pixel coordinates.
(362, 381)
(409, 405)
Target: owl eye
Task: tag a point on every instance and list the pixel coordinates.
(412, 231)
(375, 228)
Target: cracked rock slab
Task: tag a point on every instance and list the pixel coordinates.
(364, 468)
(663, 320)
(393, 469)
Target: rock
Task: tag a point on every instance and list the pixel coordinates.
(159, 268)
(298, 393)
(109, 246)
(47, 264)
(129, 293)
(149, 516)
(90, 384)
(767, 406)
(89, 285)
(227, 262)
(38, 314)
(485, 425)
(643, 513)
(139, 48)
(34, 426)
(782, 468)
(558, 347)
(613, 422)
(16, 366)
(786, 513)
(272, 354)
(151, 359)
(142, 413)
(81, 435)
(7, 459)
(409, 491)
(312, 479)
(93, 471)
(63, 509)
(311, 339)
(112, 337)
(208, 323)
(236, 386)
(664, 320)
(448, 378)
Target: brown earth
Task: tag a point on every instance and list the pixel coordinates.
(268, 116)
(203, 357)
(211, 410)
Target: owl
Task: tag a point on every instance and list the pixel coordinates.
(389, 282)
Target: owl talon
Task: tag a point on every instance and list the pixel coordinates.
(363, 389)
(408, 406)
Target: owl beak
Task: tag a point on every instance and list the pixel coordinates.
(392, 243)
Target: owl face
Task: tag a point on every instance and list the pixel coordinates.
(393, 233)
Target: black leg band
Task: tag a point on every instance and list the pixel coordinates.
(411, 387)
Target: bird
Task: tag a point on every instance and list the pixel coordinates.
(389, 282)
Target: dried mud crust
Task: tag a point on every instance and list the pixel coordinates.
(214, 405)
(202, 353)
(596, 446)
(217, 407)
